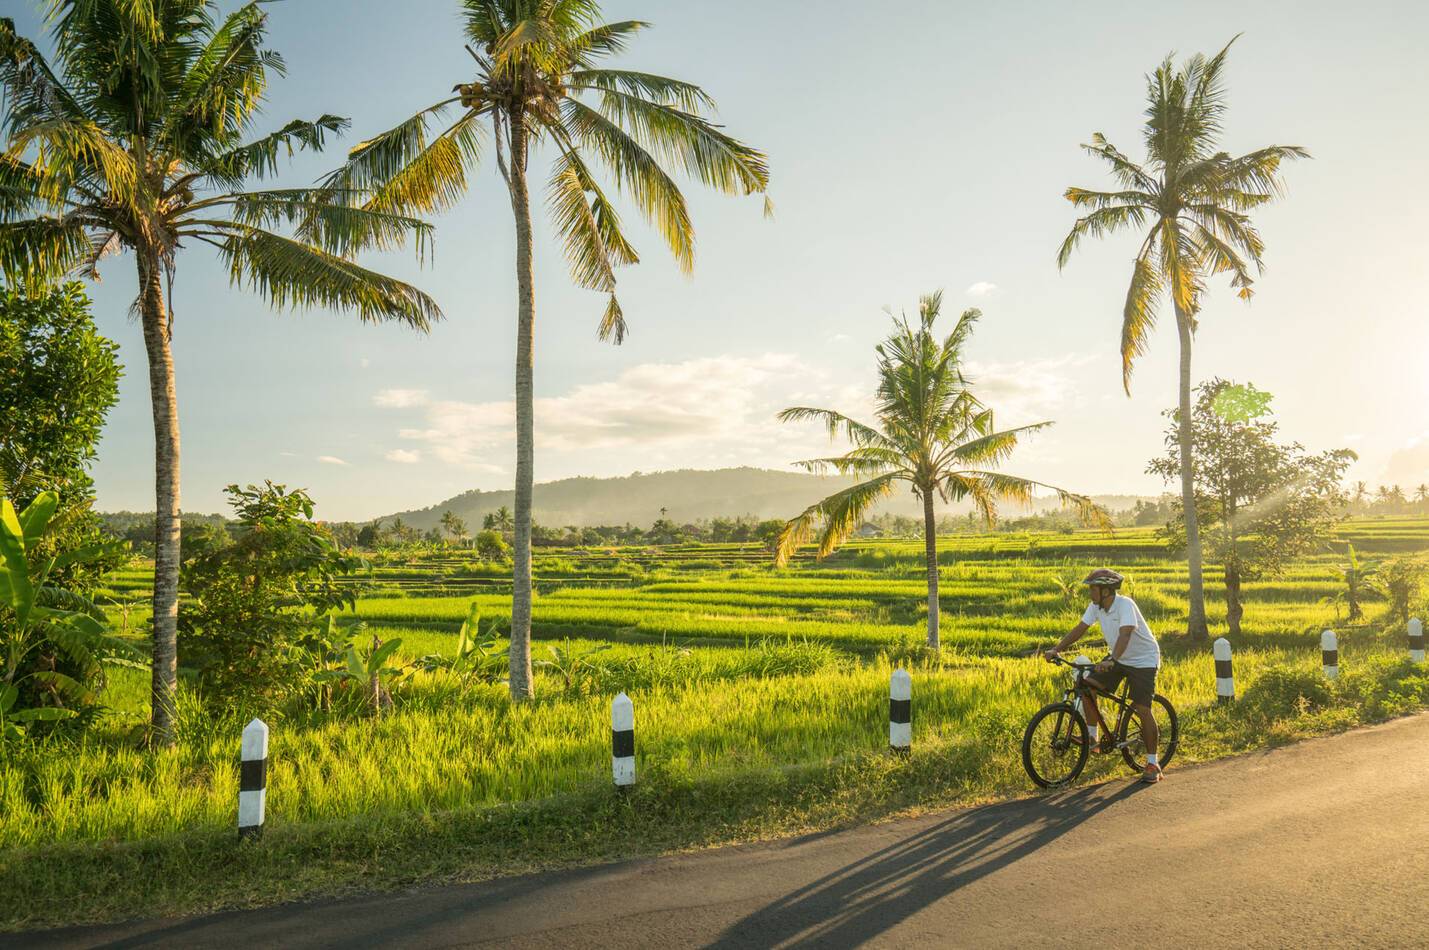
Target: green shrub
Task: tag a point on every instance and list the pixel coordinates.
(253, 600)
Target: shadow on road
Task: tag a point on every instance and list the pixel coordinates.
(859, 901)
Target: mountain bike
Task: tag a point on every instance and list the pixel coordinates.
(1056, 744)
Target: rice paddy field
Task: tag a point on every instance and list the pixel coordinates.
(760, 701)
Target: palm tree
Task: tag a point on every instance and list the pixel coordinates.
(538, 79)
(931, 428)
(454, 525)
(139, 138)
(1360, 494)
(1192, 200)
(1421, 494)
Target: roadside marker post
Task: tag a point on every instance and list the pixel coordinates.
(900, 711)
(1225, 677)
(253, 780)
(1330, 654)
(1416, 640)
(622, 741)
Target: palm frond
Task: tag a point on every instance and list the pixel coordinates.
(637, 173)
(373, 164)
(682, 95)
(836, 422)
(41, 251)
(1101, 222)
(260, 158)
(289, 273)
(1131, 175)
(838, 515)
(329, 219)
(1138, 316)
(612, 324)
(689, 142)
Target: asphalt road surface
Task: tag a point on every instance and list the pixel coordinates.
(1320, 844)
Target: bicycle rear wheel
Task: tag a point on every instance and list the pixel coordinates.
(1054, 747)
(1128, 733)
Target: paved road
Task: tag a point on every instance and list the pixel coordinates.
(1325, 843)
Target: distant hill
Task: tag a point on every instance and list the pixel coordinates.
(689, 494)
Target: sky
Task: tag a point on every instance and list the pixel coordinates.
(913, 147)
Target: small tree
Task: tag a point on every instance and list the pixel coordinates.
(59, 380)
(932, 434)
(491, 546)
(1260, 503)
(254, 599)
(1398, 581)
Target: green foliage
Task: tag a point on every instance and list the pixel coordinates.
(253, 598)
(60, 379)
(54, 643)
(1399, 580)
(491, 546)
(479, 657)
(1260, 503)
(933, 433)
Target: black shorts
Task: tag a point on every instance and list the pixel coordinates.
(1141, 678)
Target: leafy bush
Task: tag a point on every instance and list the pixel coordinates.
(254, 598)
(54, 644)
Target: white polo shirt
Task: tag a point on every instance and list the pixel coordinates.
(1143, 651)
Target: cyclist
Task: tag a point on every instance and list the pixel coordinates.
(1135, 656)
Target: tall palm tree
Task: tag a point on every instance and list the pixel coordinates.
(538, 79)
(932, 433)
(1192, 200)
(140, 138)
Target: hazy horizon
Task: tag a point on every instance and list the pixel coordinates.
(936, 158)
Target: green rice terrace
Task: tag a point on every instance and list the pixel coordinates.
(760, 700)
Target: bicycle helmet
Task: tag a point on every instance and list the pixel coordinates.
(1103, 577)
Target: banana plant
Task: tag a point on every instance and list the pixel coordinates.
(479, 655)
(44, 619)
(370, 665)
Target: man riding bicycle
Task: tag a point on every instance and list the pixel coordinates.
(1135, 657)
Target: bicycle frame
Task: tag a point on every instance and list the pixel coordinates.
(1080, 687)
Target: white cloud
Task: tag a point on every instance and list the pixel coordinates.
(1409, 465)
(404, 456)
(840, 338)
(400, 398)
(694, 414)
(331, 460)
(982, 288)
(1026, 391)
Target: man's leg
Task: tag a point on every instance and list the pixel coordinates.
(1090, 712)
(1150, 735)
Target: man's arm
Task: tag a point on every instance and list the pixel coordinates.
(1123, 640)
(1072, 637)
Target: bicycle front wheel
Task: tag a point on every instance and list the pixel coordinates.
(1128, 734)
(1054, 747)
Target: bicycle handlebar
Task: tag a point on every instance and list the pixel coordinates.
(1072, 664)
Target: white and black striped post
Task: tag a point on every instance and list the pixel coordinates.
(253, 779)
(900, 711)
(1225, 678)
(1330, 654)
(622, 741)
(1416, 640)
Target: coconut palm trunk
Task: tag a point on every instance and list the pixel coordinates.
(164, 401)
(520, 654)
(1196, 619)
(930, 551)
